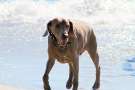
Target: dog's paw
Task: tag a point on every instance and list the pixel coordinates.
(96, 86)
(69, 84)
(47, 88)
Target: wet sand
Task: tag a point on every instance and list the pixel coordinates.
(23, 58)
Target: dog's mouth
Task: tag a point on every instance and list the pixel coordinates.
(62, 42)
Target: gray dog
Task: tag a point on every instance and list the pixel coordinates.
(66, 41)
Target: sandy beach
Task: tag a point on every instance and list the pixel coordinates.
(5, 87)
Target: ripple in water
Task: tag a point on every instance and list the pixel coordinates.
(129, 66)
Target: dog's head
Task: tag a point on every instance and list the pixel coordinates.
(61, 28)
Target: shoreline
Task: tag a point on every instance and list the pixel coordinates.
(8, 87)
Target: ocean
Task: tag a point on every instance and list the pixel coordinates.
(23, 50)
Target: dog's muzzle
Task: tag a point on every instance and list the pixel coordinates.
(64, 43)
(64, 39)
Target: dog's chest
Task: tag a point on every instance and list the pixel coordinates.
(63, 55)
(63, 59)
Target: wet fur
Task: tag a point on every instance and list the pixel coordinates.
(83, 39)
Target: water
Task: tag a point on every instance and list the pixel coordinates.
(23, 52)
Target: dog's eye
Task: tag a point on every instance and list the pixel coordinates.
(67, 26)
(57, 26)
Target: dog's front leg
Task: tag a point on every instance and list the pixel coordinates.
(70, 79)
(75, 68)
(49, 66)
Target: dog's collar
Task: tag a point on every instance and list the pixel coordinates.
(68, 45)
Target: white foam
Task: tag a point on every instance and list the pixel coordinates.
(103, 11)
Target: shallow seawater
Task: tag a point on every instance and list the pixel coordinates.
(23, 57)
(23, 50)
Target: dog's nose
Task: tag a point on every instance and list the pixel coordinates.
(64, 36)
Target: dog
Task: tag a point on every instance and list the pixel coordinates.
(67, 40)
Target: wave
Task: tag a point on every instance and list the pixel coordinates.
(102, 11)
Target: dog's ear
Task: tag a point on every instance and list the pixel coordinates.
(71, 29)
(48, 29)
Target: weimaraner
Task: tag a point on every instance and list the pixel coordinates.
(66, 41)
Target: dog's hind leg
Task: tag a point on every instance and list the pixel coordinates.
(92, 50)
(49, 66)
(70, 79)
(95, 59)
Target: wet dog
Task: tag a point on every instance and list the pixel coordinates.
(66, 41)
